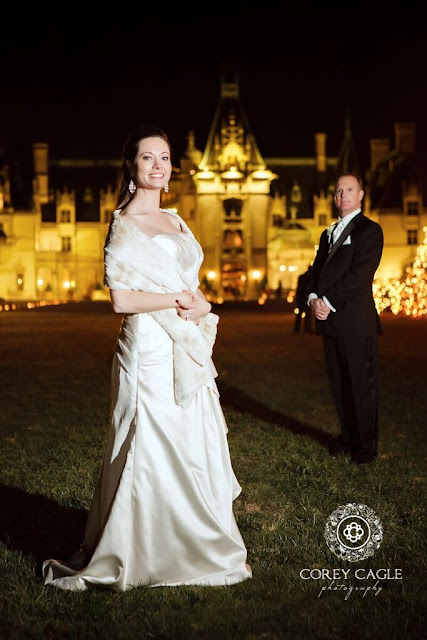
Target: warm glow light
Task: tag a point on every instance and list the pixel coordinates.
(243, 278)
(407, 297)
(73, 283)
(19, 280)
(40, 282)
(211, 275)
(292, 267)
(192, 172)
(232, 174)
(205, 174)
(262, 174)
(256, 274)
(282, 267)
(67, 284)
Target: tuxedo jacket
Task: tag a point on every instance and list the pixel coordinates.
(344, 275)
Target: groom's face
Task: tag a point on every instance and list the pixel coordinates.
(348, 195)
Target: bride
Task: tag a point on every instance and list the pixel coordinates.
(162, 511)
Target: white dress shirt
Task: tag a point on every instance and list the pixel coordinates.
(342, 223)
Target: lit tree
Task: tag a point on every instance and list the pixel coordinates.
(409, 295)
(413, 294)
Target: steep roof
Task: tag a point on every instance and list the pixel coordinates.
(347, 160)
(86, 178)
(300, 178)
(395, 173)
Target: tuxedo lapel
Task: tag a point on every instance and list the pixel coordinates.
(349, 228)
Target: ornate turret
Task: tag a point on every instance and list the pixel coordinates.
(233, 202)
(231, 145)
(192, 156)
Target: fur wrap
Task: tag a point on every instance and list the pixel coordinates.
(134, 261)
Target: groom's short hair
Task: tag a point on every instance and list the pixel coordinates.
(349, 173)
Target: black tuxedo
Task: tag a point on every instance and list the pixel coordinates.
(344, 274)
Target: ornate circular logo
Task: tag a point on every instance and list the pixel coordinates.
(353, 532)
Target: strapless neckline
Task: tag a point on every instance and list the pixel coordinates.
(168, 233)
(117, 213)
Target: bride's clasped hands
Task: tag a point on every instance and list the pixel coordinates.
(192, 306)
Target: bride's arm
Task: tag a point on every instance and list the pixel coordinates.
(126, 301)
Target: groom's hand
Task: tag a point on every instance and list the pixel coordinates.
(319, 308)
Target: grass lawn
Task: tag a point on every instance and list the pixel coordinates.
(54, 399)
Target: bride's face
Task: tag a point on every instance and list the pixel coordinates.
(153, 166)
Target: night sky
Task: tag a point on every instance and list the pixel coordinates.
(81, 81)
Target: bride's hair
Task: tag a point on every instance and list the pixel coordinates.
(130, 150)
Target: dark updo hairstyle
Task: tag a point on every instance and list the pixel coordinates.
(129, 153)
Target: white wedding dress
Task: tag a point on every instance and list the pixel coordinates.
(162, 510)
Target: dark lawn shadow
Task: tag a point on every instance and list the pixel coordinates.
(241, 401)
(39, 526)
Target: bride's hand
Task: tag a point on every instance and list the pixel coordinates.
(184, 298)
(196, 309)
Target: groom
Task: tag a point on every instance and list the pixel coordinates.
(341, 299)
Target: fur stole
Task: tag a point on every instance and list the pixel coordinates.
(134, 261)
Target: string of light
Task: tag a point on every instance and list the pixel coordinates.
(409, 295)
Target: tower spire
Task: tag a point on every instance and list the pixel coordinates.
(347, 157)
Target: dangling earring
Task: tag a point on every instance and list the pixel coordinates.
(166, 188)
(132, 186)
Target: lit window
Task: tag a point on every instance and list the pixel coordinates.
(65, 216)
(412, 237)
(238, 238)
(66, 244)
(322, 220)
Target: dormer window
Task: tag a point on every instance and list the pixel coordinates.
(296, 192)
(65, 216)
(413, 208)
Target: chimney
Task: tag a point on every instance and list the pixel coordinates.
(404, 133)
(379, 149)
(320, 143)
(41, 159)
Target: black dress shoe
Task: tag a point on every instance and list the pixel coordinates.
(338, 448)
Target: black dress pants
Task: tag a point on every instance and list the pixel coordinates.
(352, 366)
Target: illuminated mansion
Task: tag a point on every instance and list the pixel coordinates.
(258, 219)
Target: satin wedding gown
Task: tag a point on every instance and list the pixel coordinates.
(162, 510)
